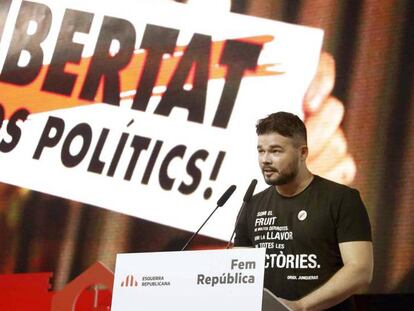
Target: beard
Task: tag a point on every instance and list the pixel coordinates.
(282, 178)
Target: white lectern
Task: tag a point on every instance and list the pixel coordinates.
(192, 280)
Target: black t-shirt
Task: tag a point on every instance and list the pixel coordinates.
(301, 235)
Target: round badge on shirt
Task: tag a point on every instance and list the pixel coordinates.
(302, 215)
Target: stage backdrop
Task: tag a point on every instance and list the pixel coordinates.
(123, 123)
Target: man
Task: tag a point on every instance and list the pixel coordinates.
(316, 232)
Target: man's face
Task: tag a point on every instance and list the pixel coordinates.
(279, 158)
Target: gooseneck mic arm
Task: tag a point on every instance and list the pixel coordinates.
(223, 199)
(248, 195)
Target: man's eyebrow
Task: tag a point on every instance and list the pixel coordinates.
(271, 146)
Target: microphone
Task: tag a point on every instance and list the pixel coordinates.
(220, 202)
(247, 196)
(249, 193)
(226, 195)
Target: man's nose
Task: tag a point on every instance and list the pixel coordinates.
(265, 158)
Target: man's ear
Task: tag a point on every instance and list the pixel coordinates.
(304, 151)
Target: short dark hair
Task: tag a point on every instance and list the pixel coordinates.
(285, 124)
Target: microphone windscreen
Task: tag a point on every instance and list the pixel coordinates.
(226, 195)
(250, 190)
